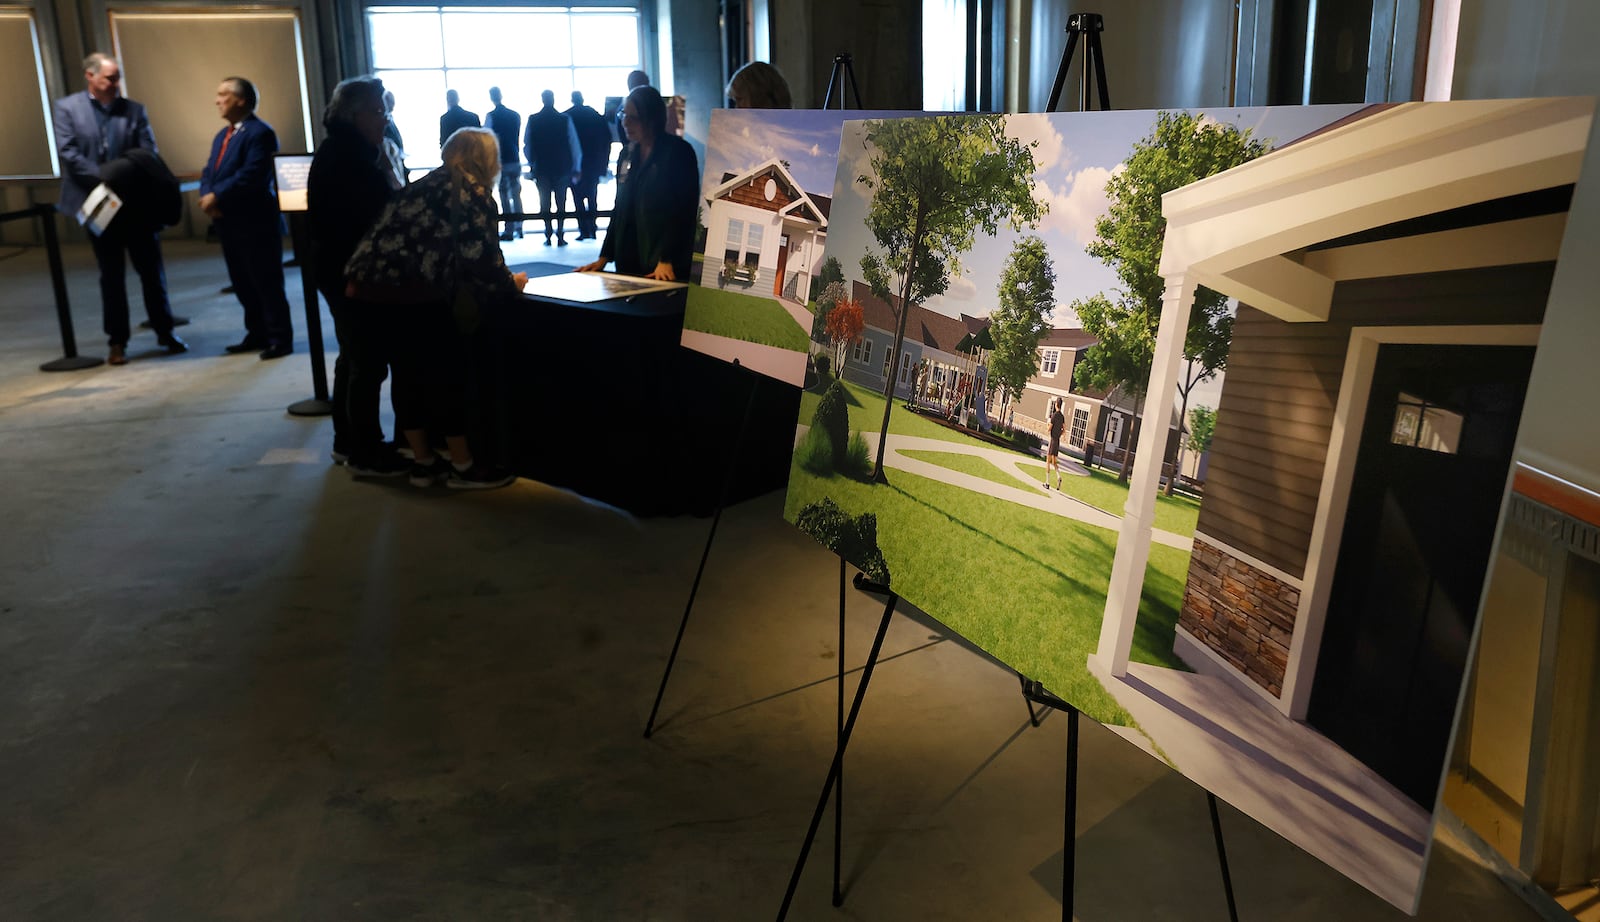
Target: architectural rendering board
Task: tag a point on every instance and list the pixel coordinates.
(765, 197)
(1289, 626)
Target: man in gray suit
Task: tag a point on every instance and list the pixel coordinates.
(93, 128)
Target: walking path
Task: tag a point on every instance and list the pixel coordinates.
(1025, 493)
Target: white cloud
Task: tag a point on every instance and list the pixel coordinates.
(1076, 205)
(816, 150)
(960, 297)
(1052, 151)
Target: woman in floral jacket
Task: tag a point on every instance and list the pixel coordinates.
(432, 258)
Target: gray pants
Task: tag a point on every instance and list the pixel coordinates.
(511, 193)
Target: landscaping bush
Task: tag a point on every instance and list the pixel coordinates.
(855, 538)
(815, 452)
(833, 418)
(857, 463)
(823, 363)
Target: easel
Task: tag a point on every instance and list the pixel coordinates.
(843, 64)
(1088, 25)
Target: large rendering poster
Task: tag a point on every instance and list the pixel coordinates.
(764, 217)
(1329, 314)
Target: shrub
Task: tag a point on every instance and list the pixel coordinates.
(815, 452)
(833, 418)
(823, 363)
(855, 538)
(857, 463)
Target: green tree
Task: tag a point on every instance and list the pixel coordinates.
(1027, 295)
(830, 273)
(936, 182)
(1202, 426)
(1183, 148)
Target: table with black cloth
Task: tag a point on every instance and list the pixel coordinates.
(600, 398)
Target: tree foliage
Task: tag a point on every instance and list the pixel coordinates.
(1183, 148)
(936, 183)
(1202, 426)
(828, 276)
(1027, 295)
(845, 323)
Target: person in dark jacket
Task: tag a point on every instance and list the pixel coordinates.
(553, 155)
(93, 128)
(506, 123)
(594, 143)
(652, 227)
(236, 192)
(349, 185)
(454, 117)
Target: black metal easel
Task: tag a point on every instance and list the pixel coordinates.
(843, 65)
(318, 403)
(70, 359)
(716, 519)
(1088, 26)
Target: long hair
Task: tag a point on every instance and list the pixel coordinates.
(473, 153)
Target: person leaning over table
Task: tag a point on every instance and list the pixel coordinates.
(653, 223)
(350, 182)
(434, 236)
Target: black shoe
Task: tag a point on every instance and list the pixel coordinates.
(277, 351)
(561, 241)
(245, 345)
(176, 321)
(379, 465)
(508, 235)
(547, 241)
(437, 470)
(479, 477)
(173, 344)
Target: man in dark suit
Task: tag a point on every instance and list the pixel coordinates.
(553, 155)
(506, 123)
(236, 191)
(594, 143)
(454, 117)
(92, 128)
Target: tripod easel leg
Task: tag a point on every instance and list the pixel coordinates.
(1069, 846)
(1222, 856)
(838, 790)
(1033, 716)
(838, 757)
(722, 501)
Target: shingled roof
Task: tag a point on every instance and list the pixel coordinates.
(930, 328)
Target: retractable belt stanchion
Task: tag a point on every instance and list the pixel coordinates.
(318, 403)
(70, 359)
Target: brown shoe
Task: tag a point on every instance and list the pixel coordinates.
(118, 356)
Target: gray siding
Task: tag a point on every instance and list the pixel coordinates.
(1276, 413)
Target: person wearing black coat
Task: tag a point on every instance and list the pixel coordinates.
(346, 191)
(653, 225)
(594, 143)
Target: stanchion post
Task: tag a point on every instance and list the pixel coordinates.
(318, 403)
(71, 360)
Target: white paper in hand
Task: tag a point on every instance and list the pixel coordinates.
(99, 208)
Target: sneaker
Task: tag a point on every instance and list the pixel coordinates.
(426, 475)
(381, 465)
(479, 477)
(1047, 484)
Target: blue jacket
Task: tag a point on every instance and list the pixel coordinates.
(243, 181)
(83, 149)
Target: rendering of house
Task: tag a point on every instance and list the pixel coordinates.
(764, 234)
(931, 337)
(1392, 273)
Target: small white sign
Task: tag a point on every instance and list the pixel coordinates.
(99, 209)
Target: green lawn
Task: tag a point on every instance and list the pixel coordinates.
(866, 415)
(1024, 584)
(743, 317)
(1101, 490)
(968, 464)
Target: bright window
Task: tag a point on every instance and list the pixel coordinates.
(735, 235)
(1080, 426)
(752, 245)
(1049, 361)
(421, 51)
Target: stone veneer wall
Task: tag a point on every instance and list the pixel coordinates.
(1241, 613)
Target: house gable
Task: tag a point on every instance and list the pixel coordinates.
(787, 198)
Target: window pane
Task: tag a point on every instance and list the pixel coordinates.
(596, 83)
(606, 38)
(405, 40)
(418, 102)
(485, 39)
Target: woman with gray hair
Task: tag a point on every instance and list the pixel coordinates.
(432, 260)
(349, 184)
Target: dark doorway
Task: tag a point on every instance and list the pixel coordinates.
(1430, 470)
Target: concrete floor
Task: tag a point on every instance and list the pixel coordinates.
(240, 685)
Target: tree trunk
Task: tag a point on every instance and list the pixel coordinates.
(1133, 440)
(1183, 416)
(894, 350)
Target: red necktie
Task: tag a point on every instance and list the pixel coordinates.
(225, 139)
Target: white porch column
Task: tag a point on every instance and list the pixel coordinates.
(1133, 541)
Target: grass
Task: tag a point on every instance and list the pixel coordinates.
(743, 317)
(967, 464)
(1177, 514)
(866, 415)
(1026, 585)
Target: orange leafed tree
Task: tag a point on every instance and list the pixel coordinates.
(845, 323)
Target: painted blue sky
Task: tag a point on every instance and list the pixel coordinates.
(743, 139)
